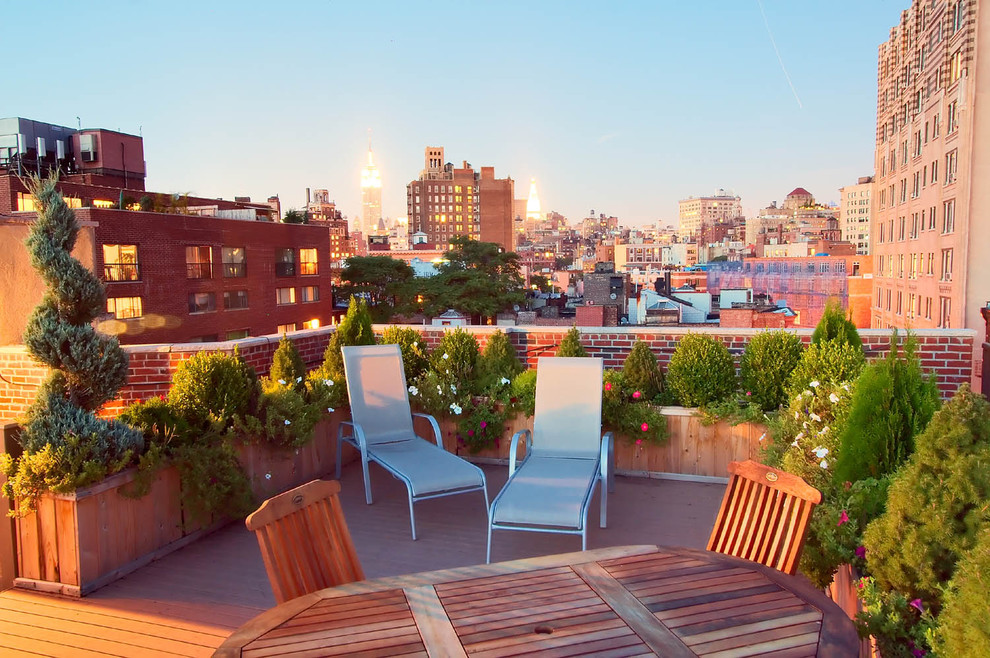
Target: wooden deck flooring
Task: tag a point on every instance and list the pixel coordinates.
(187, 603)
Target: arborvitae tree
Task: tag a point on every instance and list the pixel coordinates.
(87, 368)
(964, 625)
(571, 345)
(937, 503)
(767, 363)
(893, 402)
(498, 360)
(288, 366)
(354, 329)
(640, 371)
(835, 325)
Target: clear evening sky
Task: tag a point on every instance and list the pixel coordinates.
(623, 107)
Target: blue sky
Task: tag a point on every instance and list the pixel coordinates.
(621, 107)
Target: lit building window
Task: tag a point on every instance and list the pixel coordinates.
(237, 334)
(199, 262)
(234, 262)
(120, 262)
(285, 296)
(308, 264)
(311, 324)
(125, 308)
(286, 328)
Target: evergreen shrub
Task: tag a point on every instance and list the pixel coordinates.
(766, 365)
(287, 366)
(701, 371)
(826, 362)
(835, 325)
(498, 362)
(571, 344)
(892, 403)
(964, 625)
(413, 348)
(213, 387)
(456, 358)
(642, 373)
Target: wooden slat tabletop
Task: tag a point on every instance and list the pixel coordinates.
(627, 601)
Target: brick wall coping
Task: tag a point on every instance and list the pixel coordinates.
(223, 346)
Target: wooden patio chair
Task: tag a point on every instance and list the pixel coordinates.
(304, 540)
(764, 516)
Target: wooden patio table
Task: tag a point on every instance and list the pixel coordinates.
(623, 601)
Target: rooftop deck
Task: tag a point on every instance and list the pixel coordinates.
(187, 603)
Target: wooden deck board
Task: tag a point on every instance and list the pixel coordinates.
(193, 598)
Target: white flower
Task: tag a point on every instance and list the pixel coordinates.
(504, 380)
(298, 379)
(416, 344)
(820, 452)
(804, 424)
(845, 387)
(808, 392)
(763, 436)
(833, 397)
(288, 422)
(815, 417)
(799, 436)
(455, 408)
(446, 356)
(328, 382)
(268, 476)
(823, 430)
(282, 382)
(824, 464)
(453, 389)
(795, 443)
(330, 409)
(413, 390)
(796, 415)
(439, 390)
(814, 384)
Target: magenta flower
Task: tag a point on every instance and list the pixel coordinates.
(861, 552)
(470, 432)
(639, 441)
(645, 427)
(919, 652)
(843, 518)
(917, 605)
(608, 386)
(749, 392)
(637, 395)
(484, 424)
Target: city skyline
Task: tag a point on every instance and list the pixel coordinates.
(617, 109)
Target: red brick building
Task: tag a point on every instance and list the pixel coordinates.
(175, 277)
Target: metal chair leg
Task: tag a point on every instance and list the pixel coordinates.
(412, 517)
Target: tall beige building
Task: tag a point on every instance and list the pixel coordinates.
(930, 231)
(695, 212)
(854, 213)
(371, 196)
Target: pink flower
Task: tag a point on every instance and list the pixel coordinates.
(645, 427)
(861, 583)
(861, 552)
(843, 518)
(917, 605)
(484, 424)
(749, 392)
(637, 395)
(639, 441)
(470, 432)
(608, 386)
(847, 485)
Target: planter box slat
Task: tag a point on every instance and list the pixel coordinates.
(68, 551)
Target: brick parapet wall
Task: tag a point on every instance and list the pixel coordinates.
(950, 353)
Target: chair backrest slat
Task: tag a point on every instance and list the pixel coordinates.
(568, 418)
(764, 516)
(304, 540)
(376, 386)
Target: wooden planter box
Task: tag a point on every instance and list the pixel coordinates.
(692, 450)
(843, 592)
(76, 543)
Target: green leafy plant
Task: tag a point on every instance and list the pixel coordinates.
(893, 402)
(523, 392)
(701, 371)
(835, 325)
(65, 445)
(283, 416)
(413, 347)
(903, 628)
(766, 365)
(287, 365)
(354, 329)
(213, 387)
(482, 423)
(964, 625)
(571, 344)
(826, 362)
(498, 362)
(641, 372)
(627, 413)
(937, 503)
(733, 410)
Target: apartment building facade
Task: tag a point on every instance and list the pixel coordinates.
(854, 213)
(929, 233)
(697, 212)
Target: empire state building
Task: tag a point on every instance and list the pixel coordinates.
(371, 196)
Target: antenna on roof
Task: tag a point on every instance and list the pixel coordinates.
(79, 123)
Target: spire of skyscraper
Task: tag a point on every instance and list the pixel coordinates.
(533, 203)
(371, 194)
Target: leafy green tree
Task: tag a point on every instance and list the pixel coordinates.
(478, 278)
(964, 625)
(87, 368)
(542, 283)
(354, 329)
(767, 364)
(563, 262)
(293, 216)
(383, 281)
